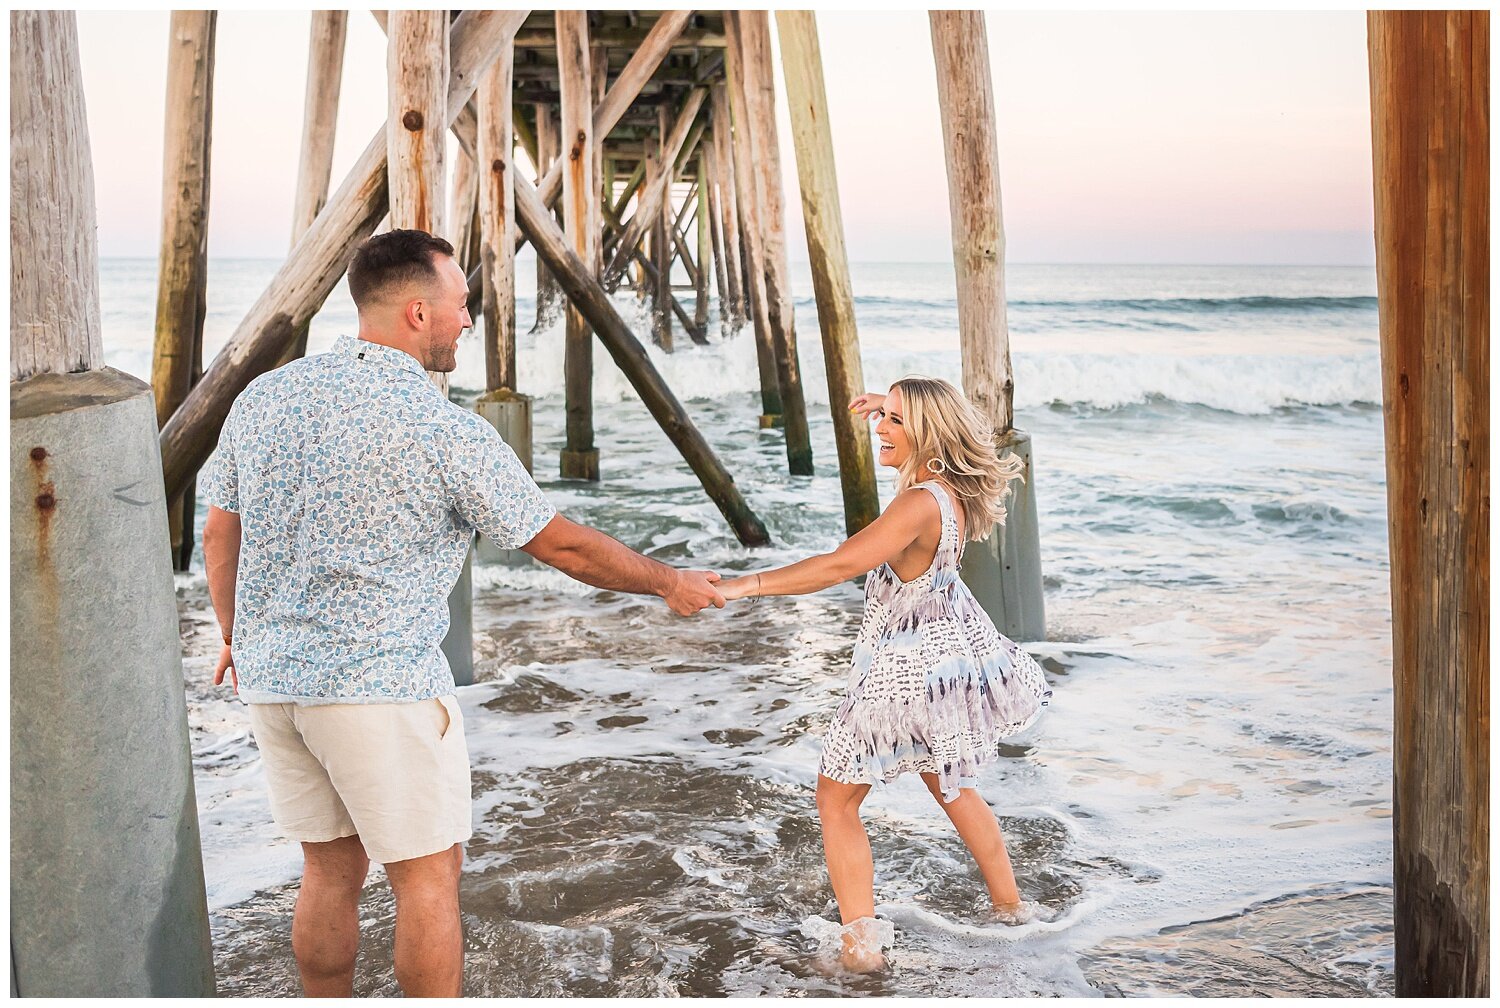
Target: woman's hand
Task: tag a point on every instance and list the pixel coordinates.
(226, 664)
(740, 587)
(866, 404)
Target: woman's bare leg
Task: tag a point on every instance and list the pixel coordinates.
(851, 867)
(980, 832)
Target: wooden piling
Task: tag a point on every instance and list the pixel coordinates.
(966, 100)
(548, 294)
(416, 138)
(705, 246)
(729, 218)
(316, 263)
(807, 102)
(1429, 103)
(463, 201)
(661, 247)
(1005, 571)
(760, 91)
(714, 211)
(589, 296)
(579, 459)
(320, 108)
(751, 231)
(182, 278)
(497, 227)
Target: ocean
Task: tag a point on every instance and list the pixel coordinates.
(1204, 809)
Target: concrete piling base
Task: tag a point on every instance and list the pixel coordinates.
(1005, 571)
(510, 414)
(458, 645)
(107, 893)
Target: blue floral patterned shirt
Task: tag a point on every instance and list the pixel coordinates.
(359, 487)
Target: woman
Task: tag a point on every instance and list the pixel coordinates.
(933, 686)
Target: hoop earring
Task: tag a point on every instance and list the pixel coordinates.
(936, 466)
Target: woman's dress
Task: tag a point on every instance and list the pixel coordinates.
(933, 686)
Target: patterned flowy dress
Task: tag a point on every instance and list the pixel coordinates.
(933, 686)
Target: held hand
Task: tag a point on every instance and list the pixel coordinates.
(866, 404)
(226, 664)
(693, 590)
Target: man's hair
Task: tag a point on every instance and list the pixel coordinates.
(391, 260)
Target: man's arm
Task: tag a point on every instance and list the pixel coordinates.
(592, 557)
(221, 562)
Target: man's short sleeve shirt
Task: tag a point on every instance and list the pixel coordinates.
(359, 487)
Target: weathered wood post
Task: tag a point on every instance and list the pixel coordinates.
(760, 92)
(751, 231)
(802, 63)
(716, 236)
(1429, 104)
(549, 304)
(1005, 570)
(182, 279)
(416, 138)
(507, 410)
(579, 459)
(661, 247)
(463, 202)
(729, 221)
(705, 245)
(106, 874)
(325, 71)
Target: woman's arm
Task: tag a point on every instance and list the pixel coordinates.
(867, 403)
(880, 541)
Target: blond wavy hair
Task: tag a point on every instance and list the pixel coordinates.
(941, 424)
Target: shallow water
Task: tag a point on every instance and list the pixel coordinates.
(1204, 809)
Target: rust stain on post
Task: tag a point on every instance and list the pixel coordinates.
(412, 120)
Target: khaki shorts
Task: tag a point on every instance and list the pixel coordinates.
(396, 774)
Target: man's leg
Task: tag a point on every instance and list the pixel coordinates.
(325, 925)
(429, 933)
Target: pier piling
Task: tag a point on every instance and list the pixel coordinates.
(1004, 571)
(1429, 104)
(182, 276)
(106, 874)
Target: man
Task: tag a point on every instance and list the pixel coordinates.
(344, 498)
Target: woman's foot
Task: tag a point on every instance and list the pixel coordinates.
(1019, 912)
(863, 941)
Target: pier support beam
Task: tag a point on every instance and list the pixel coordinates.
(106, 872)
(416, 138)
(729, 216)
(579, 458)
(751, 230)
(182, 277)
(705, 246)
(760, 91)
(1429, 104)
(325, 71)
(807, 101)
(660, 254)
(714, 209)
(549, 300)
(1004, 571)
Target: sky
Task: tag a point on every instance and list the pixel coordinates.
(1178, 137)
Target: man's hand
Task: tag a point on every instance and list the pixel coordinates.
(691, 591)
(226, 664)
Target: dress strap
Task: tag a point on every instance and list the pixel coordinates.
(945, 507)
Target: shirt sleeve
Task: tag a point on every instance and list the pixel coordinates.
(220, 482)
(491, 490)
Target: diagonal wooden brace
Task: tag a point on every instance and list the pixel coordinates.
(595, 305)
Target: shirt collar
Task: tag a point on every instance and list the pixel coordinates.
(353, 346)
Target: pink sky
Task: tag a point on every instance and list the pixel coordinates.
(1124, 137)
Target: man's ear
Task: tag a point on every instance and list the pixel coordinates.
(416, 313)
